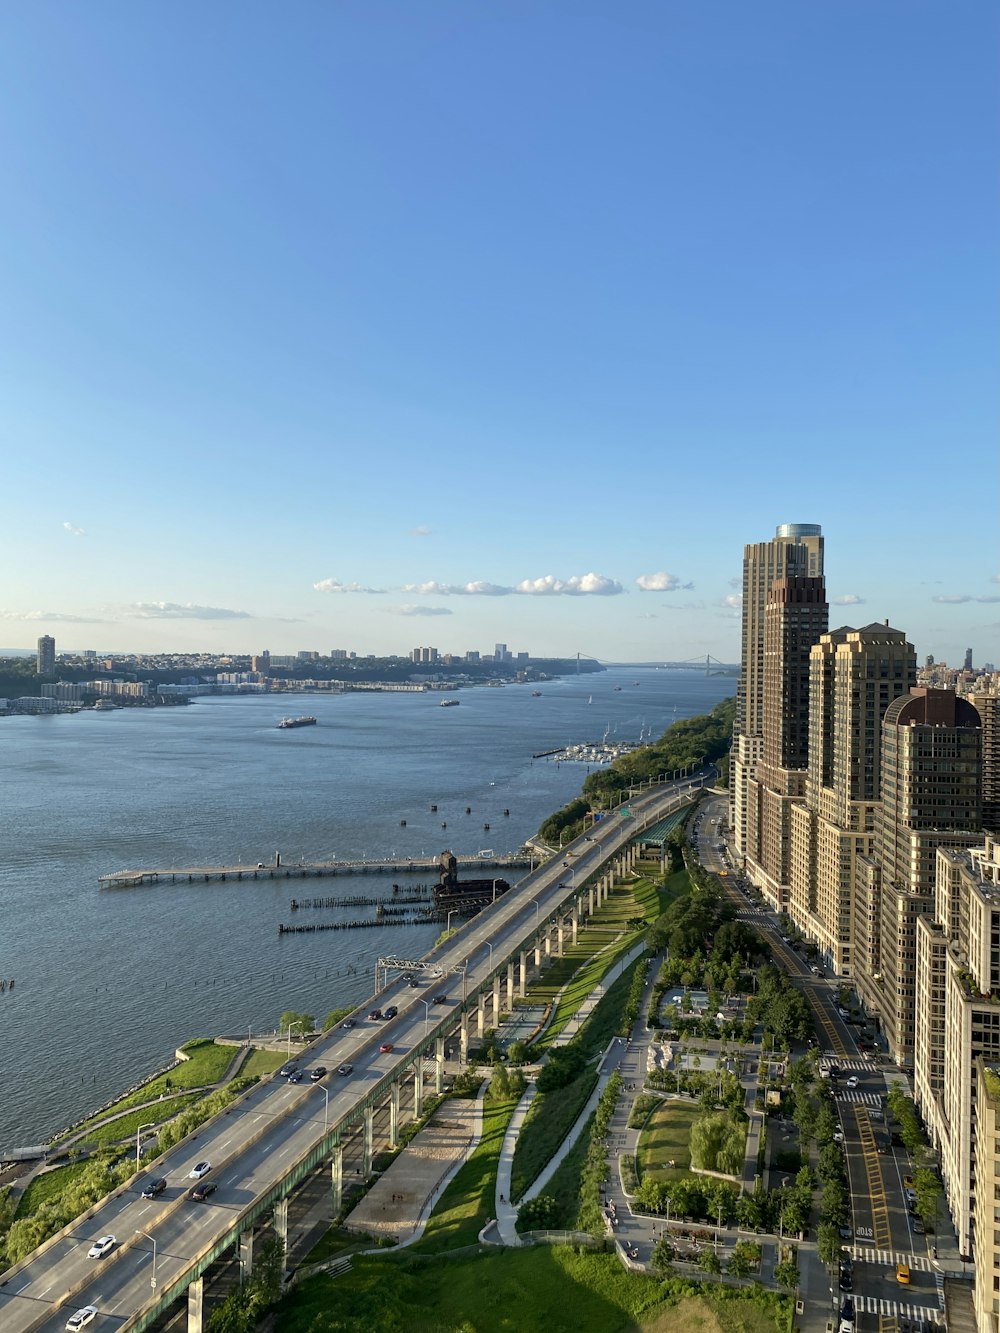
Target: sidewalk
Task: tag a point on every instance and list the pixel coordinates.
(506, 1212)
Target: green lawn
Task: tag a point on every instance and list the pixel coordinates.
(665, 1138)
(566, 1181)
(49, 1186)
(541, 1289)
(585, 980)
(115, 1131)
(259, 1063)
(549, 1120)
(470, 1199)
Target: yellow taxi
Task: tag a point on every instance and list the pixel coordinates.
(903, 1274)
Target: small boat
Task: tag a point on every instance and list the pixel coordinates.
(536, 694)
(449, 703)
(287, 723)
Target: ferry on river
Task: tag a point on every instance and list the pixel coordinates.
(287, 723)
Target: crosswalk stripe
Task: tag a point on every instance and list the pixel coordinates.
(900, 1309)
(852, 1097)
(868, 1254)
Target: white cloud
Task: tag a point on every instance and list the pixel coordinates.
(479, 588)
(335, 585)
(73, 531)
(849, 599)
(182, 611)
(733, 600)
(64, 616)
(988, 599)
(661, 582)
(409, 609)
(958, 598)
(421, 530)
(579, 585)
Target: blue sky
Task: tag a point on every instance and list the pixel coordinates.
(365, 326)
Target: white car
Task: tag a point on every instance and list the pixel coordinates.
(102, 1247)
(852, 1082)
(82, 1317)
(199, 1169)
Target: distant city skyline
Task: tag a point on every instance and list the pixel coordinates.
(514, 322)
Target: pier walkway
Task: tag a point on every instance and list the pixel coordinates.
(278, 869)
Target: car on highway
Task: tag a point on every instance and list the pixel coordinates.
(285, 1070)
(852, 1082)
(347, 1024)
(199, 1169)
(903, 1274)
(201, 1192)
(82, 1317)
(391, 1012)
(102, 1247)
(375, 1015)
(295, 1076)
(386, 1047)
(154, 1187)
(439, 999)
(316, 1074)
(344, 1070)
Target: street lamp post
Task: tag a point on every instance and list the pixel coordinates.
(489, 945)
(138, 1132)
(326, 1105)
(152, 1280)
(447, 924)
(296, 1024)
(495, 883)
(427, 1014)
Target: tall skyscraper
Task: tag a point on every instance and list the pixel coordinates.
(46, 659)
(796, 550)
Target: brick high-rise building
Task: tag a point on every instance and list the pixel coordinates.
(796, 550)
(931, 798)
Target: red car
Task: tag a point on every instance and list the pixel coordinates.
(386, 1047)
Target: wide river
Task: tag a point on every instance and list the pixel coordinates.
(110, 981)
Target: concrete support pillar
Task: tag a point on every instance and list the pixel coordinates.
(538, 952)
(510, 987)
(418, 1087)
(496, 1000)
(337, 1179)
(463, 1040)
(439, 1065)
(281, 1221)
(393, 1115)
(481, 1016)
(590, 901)
(560, 937)
(575, 920)
(246, 1254)
(548, 943)
(196, 1298)
(369, 1148)
(522, 980)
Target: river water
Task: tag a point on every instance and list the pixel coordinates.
(110, 981)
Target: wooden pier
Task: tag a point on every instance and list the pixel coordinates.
(278, 869)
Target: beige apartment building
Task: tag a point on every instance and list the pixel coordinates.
(986, 1248)
(854, 675)
(957, 1020)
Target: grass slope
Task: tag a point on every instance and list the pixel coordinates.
(542, 1289)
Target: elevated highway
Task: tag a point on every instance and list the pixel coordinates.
(278, 1133)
